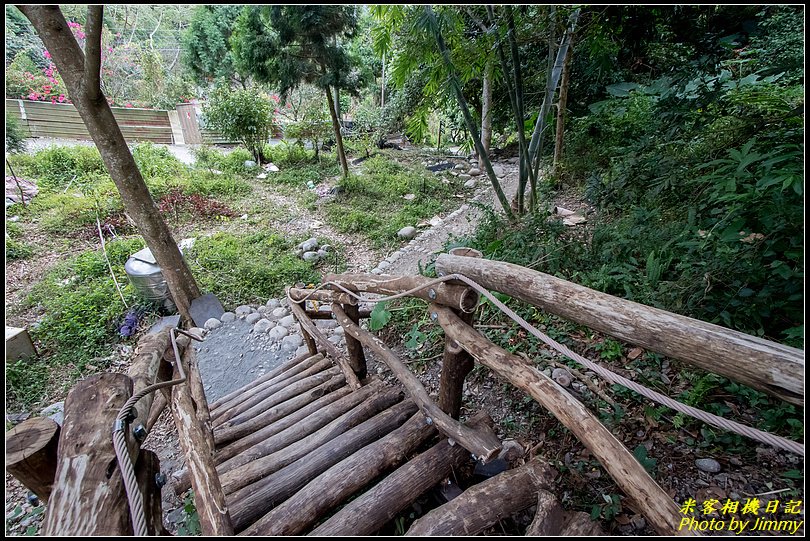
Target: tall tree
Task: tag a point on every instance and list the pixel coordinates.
(290, 45)
(206, 45)
(80, 71)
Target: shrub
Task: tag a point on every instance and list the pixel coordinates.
(156, 162)
(15, 135)
(57, 167)
(240, 115)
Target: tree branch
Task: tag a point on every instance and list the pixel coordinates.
(92, 51)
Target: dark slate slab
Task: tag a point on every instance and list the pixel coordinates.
(204, 308)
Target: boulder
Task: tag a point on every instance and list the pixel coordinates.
(407, 233)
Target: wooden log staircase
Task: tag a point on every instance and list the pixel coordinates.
(316, 446)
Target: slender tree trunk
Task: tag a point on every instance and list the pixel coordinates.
(561, 105)
(486, 110)
(465, 111)
(338, 137)
(81, 76)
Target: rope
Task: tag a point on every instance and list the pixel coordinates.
(708, 418)
(125, 416)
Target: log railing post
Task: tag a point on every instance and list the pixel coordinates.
(31, 454)
(456, 362)
(357, 359)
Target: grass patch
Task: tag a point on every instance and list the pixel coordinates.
(372, 202)
(241, 269)
(75, 336)
(16, 248)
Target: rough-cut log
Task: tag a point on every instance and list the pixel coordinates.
(227, 434)
(579, 524)
(308, 326)
(265, 378)
(144, 370)
(31, 454)
(302, 429)
(484, 504)
(307, 379)
(335, 485)
(158, 405)
(195, 386)
(208, 496)
(397, 491)
(767, 366)
(456, 364)
(146, 469)
(264, 464)
(357, 358)
(253, 399)
(322, 314)
(656, 505)
(285, 419)
(88, 494)
(548, 519)
(322, 295)
(279, 417)
(455, 296)
(483, 444)
(255, 500)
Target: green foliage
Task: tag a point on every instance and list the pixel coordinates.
(16, 248)
(372, 203)
(190, 524)
(240, 269)
(206, 44)
(379, 317)
(156, 162)
(57, 167)
(241, 115)
(15, 135)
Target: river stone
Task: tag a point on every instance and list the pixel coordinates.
(407, 233)
(273, 303)
(292, 341)
(470, 183)
(474, 172)
(709, 465)
(309, 244)
(311, 256)
(212, 323)
(242, 311)
(277, 333)
(280, 312)
(287, 321)
(227, 317)
(263, 325)
(253, 318)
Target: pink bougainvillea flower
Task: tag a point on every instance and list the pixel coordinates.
(61, 98)
(47, 55)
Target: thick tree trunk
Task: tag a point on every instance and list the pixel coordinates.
(484, 504)
(482, 444)
(562, 103)
(655, 504)
(333, 486)
(344, 165)
(400, 489)
(255, 500)
(486, 110)
(31, 454)
(773, 368)
(91, 104)
(86, 499)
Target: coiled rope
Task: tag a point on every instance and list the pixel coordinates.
(125, 416)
